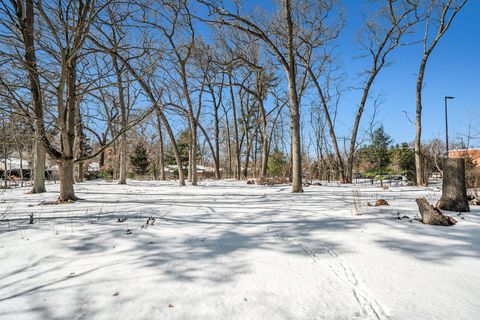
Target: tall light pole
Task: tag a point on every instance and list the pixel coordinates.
(446, 121)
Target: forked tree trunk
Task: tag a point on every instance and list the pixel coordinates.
(454, 194)
(66, 169)
(39, 167)
(433, 216)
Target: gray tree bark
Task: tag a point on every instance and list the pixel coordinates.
(454, 193)
(433, 216)
(39, 168)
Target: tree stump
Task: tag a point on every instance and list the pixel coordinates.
(433, 216)
(381, 202)
(454, 193)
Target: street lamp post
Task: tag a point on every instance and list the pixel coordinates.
(446, 121)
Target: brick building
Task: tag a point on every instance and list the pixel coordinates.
(473, 154)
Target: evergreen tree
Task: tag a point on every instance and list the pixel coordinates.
(139, 159)
(277, 163)
(403, 160)
(380, 144)
(182, 145)
(374, 159)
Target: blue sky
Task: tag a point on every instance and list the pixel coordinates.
(453, 69)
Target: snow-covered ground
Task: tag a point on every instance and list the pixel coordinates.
(227, 250)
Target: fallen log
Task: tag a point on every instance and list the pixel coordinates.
(432, 215)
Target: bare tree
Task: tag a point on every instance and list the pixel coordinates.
(279, 38)
(383, 34)
(20, 19)
(439, 16)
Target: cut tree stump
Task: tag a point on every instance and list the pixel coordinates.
(454, 191)
(433, 216)
(381, 202)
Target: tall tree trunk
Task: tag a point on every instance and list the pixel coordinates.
(265, 147)
(193, 151)
(122, 179)
(419, 161)
(161, 148)
(123, 114)
(27, 24)
(5, 150)
(79, 144)
(217, 142)
(238, 172)
(229, 146)
(67, 136)
(101, 161)
(39, 168)
(21, 167)
(190, 160)
(5, 168)
(294, 107)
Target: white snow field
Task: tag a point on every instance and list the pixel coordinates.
(227, 250)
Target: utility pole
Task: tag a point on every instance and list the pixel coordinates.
(446, 121)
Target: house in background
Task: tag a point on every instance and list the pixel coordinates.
(473, 154)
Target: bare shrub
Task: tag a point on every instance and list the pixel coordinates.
(359, 206)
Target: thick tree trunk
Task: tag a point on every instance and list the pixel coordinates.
(39, 168)
(296, 144)
(122, 179)
(27, 23)
(433, 216)
(454, 193)
(66, 169)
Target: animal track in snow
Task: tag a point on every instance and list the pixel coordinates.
(371, 308)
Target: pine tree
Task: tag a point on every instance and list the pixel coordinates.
(375, 158)
(379, 147)
(139, 159)
(403, 159)
(277, 163)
